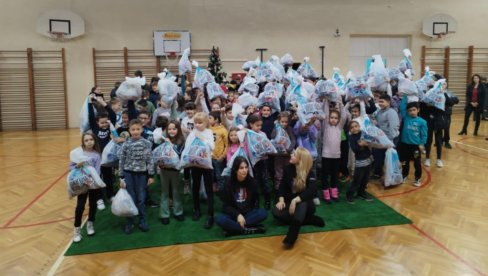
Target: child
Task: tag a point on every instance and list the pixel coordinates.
(215, 107)
(136, 170)
(187, 126)
(333, 125)
(413, 139)
(202, 132)
(100, 125)
(255, 123)
(283, 158)
(92, 151)
(159, 133)
(170, 177)
(116, 106)
(123, 129)
(162, 110)
(233, 144)
(388, 121)
(218, 155)
(145, 119)
(268, 127)
(228, 117)
(187, 123)
(154, 93)
(362, 164)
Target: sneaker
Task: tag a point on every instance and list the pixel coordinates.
(316, 201)
(404, 180)
(77, 234)
(349, 199)
(143, 226)
(448, 146)
(209, 223)
(365, 197)
(165, 221)
(100, 204)
(375, 177)
(417, 183)
(129, 228)
(180, 218)
(186, 189)
(89, 228)
(267, 205)
(150, 203)
(427, 162)
(439, 163)
(196, 215)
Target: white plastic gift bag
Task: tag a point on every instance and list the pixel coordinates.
(123, 205)
(165, 155)
(111, 154)
(130, 89)
(197, 154)
(281, 141)
(393, 168)
(435, 96)
(214, 90)
(258, 146)
(184, 65)
(327, 89)
(84, 120)
(306, 111)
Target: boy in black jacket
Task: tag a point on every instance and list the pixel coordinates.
(100, 126)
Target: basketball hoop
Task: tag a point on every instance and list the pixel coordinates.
(171, 55)
(58, 36)
(441, 36)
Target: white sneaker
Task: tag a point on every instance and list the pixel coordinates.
(316, 201)
(77, 234)
(100, 204)
(417, 183)
(405, 180)
(89, 228)
(427, 162)
(439, 163)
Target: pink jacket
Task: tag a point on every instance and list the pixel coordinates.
(331, 138)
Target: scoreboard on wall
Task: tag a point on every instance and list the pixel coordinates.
(166, 42)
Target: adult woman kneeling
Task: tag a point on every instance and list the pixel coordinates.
(240, 200)
(295, 205)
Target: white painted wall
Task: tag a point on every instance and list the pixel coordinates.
(238, 27)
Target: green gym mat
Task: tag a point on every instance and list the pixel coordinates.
(111, 237)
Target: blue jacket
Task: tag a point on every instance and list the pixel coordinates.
(414, 130)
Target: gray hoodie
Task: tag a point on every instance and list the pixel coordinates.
(388, 121)
(136, 156)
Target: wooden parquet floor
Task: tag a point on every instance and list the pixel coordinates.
(447, 237)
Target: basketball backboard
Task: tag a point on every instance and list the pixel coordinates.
(167, 42)
(60, 21)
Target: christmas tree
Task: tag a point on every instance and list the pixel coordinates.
(215, 67)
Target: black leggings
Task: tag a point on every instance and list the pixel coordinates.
(196, 174)
(330, 166)
(108, 179)
(302, 211)
(438, 142)
(92, 196)
(260, 174)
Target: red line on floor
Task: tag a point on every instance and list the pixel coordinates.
(465, 151)
(423, 233)
(34, 200)
(424, 184)
(37, 223)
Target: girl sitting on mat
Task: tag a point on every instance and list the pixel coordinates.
(295, 205)
(240, 200)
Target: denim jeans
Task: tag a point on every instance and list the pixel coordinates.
(229, 223)
(218, 167)
(136, 183)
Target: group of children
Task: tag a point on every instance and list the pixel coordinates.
(335, 141)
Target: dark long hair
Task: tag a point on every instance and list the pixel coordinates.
(235, 167)
(179, 138)
(472, 79)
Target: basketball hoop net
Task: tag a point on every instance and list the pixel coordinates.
(58, 36)
(171, 55)
(441, 36)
